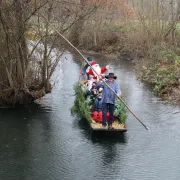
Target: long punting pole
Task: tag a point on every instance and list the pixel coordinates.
(98, 76)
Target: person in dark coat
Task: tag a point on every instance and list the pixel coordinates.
(83, 73)
(97, 108)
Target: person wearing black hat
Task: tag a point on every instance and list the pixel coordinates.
(109, 99)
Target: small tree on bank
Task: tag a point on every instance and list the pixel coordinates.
(23, 77)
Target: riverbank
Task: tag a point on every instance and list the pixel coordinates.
(164, 78)
(160, 67)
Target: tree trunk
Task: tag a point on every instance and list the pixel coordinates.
(78, 27)
(45, 70)
(21, 44)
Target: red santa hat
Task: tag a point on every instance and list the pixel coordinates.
(93, 63)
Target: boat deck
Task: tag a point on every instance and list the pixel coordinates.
(96, 126)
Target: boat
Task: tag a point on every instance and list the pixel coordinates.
(83, 109)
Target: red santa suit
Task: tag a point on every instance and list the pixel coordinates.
(96, 68)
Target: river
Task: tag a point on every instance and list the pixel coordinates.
(43, 141)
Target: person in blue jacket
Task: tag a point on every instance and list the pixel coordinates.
(98, 103)
(109, 99)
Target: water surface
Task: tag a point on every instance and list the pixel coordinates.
(43, 141)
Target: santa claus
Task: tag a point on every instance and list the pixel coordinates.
(96, 71)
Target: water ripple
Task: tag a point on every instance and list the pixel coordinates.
(44, 141)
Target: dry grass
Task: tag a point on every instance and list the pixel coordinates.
(115, 125)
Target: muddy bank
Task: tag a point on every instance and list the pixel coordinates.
(12, 97)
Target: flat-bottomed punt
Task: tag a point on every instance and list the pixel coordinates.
(83, 109)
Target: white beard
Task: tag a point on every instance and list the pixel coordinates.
(97, 68)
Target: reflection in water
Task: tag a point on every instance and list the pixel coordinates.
(114, 137)
(108, 143)
(18, 128)
(44, 141)
(109, 155)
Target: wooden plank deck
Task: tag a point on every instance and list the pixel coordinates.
(95, 126)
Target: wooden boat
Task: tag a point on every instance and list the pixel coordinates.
(117, 127)
(82, 108)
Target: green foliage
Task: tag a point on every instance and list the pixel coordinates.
(116, 27)
(121, 112)
(177, 61)
(164, 53)
(163, 78)
(81, 104)
(162, 70)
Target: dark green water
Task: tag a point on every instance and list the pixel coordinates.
(42, 141)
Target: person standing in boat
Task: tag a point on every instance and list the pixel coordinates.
(96, 70)
(83, 73)
(109, 99)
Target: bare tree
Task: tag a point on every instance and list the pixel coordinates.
(24, 73)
